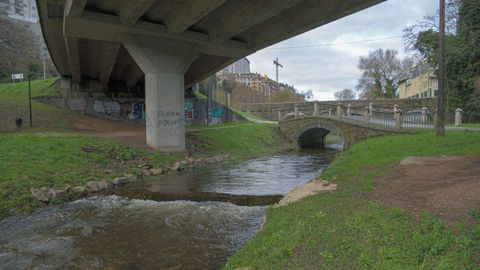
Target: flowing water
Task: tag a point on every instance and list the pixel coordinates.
(115, 232)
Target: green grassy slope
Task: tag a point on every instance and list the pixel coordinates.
(14, 103)
(344, 230)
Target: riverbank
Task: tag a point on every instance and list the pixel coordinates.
(59, 161)
(68, 149)
(348, 229)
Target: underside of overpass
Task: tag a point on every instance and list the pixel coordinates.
(164, 46)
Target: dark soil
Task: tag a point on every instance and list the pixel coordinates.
(448, 186)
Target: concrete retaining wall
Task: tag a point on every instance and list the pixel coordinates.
(133, 109)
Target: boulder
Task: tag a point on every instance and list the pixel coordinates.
(120, 181)
(156, 171)
(177, 166)
(147, 173)
(79, 190)
(92, 186)
(39, 194)
(56, 194)
(131, 177)
(103, 185)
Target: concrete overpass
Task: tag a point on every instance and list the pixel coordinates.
(168, 45)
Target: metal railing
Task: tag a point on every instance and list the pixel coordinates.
(470, 118)
(418, 120)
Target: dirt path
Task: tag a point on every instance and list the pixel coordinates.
(448, 186)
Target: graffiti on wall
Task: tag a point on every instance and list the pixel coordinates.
(131, 110)
(217, 112)
(189, 115)
(169, 118)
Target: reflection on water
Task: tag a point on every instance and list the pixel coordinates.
(270, 175)
(111, 232)
(276, 174)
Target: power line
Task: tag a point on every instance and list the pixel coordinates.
(333, 44)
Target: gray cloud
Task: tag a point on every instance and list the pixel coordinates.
(329, 69)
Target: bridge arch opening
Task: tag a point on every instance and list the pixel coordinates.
(314, 136)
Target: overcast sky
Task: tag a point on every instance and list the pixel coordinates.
(327, 69)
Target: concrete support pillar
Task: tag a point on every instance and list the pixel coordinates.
(330, 112)
(458, 117)
(349, 107)
(165, 127)
(164, 64)
(339, 110)
(424, 115)
(398, 119)
(297, 113)
(370, 108)
(366, 115)
(315, 109)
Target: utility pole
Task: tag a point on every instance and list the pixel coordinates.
(30, 100)
(44, 72)
(210, 83)
(440, 125)
(277, 64)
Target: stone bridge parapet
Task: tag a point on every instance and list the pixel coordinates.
(271, 111)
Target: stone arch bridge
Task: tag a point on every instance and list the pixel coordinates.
(311, 131)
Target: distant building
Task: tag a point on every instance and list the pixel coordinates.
(262, 85)
(24, 10)
(242, 66)
(422, 83)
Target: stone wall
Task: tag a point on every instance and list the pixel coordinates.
(270, 110)
(350, 132)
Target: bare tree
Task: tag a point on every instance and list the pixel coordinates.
(429, 22)
(308, 95)
(381, 71)
(345, 94)
(18, 47)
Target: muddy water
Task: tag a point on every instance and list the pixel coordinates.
(114, 232)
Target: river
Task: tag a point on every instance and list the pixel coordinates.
(200, 229)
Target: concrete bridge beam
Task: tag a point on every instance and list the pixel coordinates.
(164, 64)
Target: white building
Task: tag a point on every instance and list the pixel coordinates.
(242, 66)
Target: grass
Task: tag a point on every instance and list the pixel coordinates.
(240, 141)
(200, 96)
(248, 115)
(344, 230)
(14, 103)
(467, 125)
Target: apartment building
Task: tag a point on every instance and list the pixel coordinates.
(421, 83)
